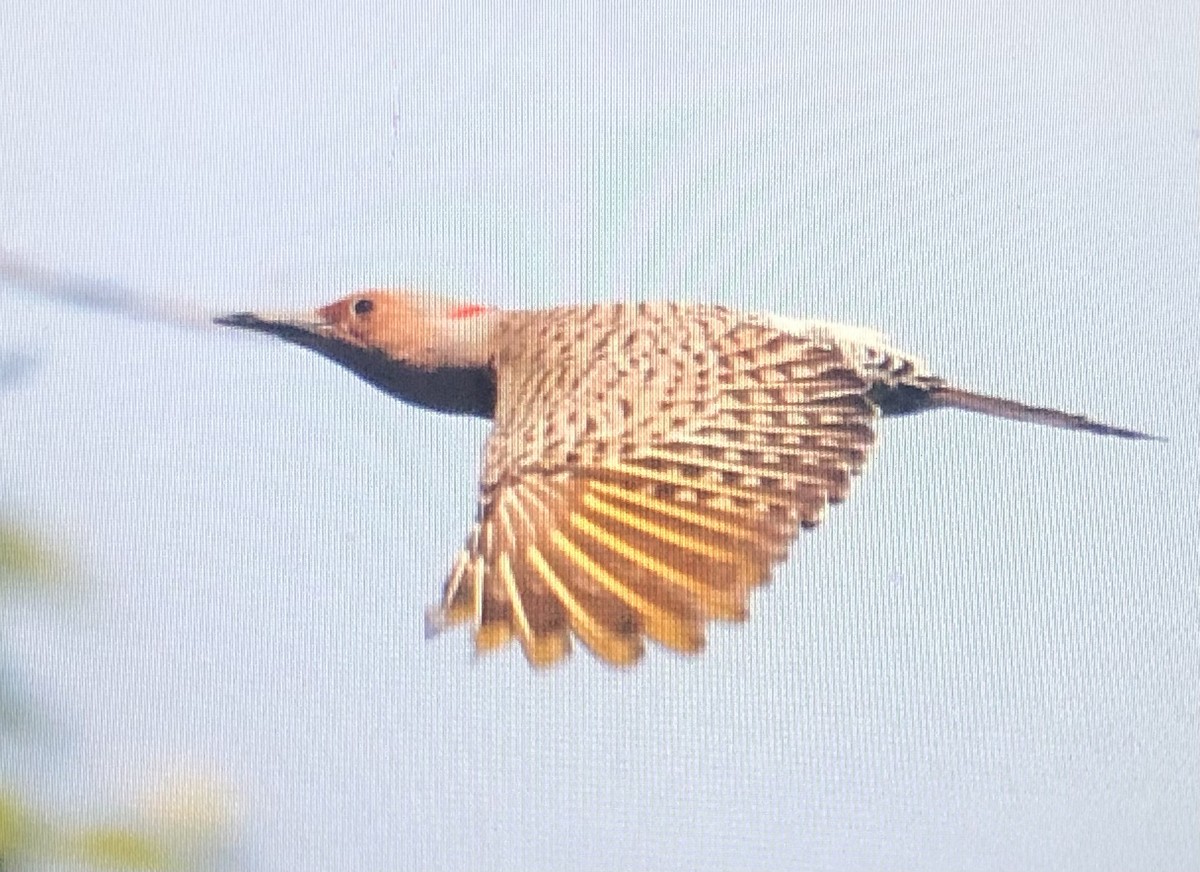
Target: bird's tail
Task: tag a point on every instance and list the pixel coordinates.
(947, 397)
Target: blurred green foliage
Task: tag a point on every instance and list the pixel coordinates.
(122, 848)
(32, 839)
(25, 560)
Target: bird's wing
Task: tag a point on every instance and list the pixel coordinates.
(658, 536)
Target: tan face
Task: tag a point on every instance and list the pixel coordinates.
(370, 318)
(405, 325)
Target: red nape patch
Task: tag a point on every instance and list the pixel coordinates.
(467, 310)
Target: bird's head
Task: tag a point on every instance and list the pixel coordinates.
(426, 350)
(418, 329)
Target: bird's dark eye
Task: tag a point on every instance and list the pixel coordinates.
(363, 306)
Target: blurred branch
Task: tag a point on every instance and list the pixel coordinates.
(14, 366)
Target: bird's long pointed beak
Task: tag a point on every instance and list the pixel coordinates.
(286, 325)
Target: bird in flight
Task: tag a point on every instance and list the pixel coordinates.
(649, 462)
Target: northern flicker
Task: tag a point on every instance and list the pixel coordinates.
(649, 462)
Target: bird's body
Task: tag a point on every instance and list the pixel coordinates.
(649, 463)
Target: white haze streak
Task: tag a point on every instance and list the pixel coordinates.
(97, 295)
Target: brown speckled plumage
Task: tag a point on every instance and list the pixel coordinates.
(650, 463)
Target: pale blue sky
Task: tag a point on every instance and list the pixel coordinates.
(988, 658)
